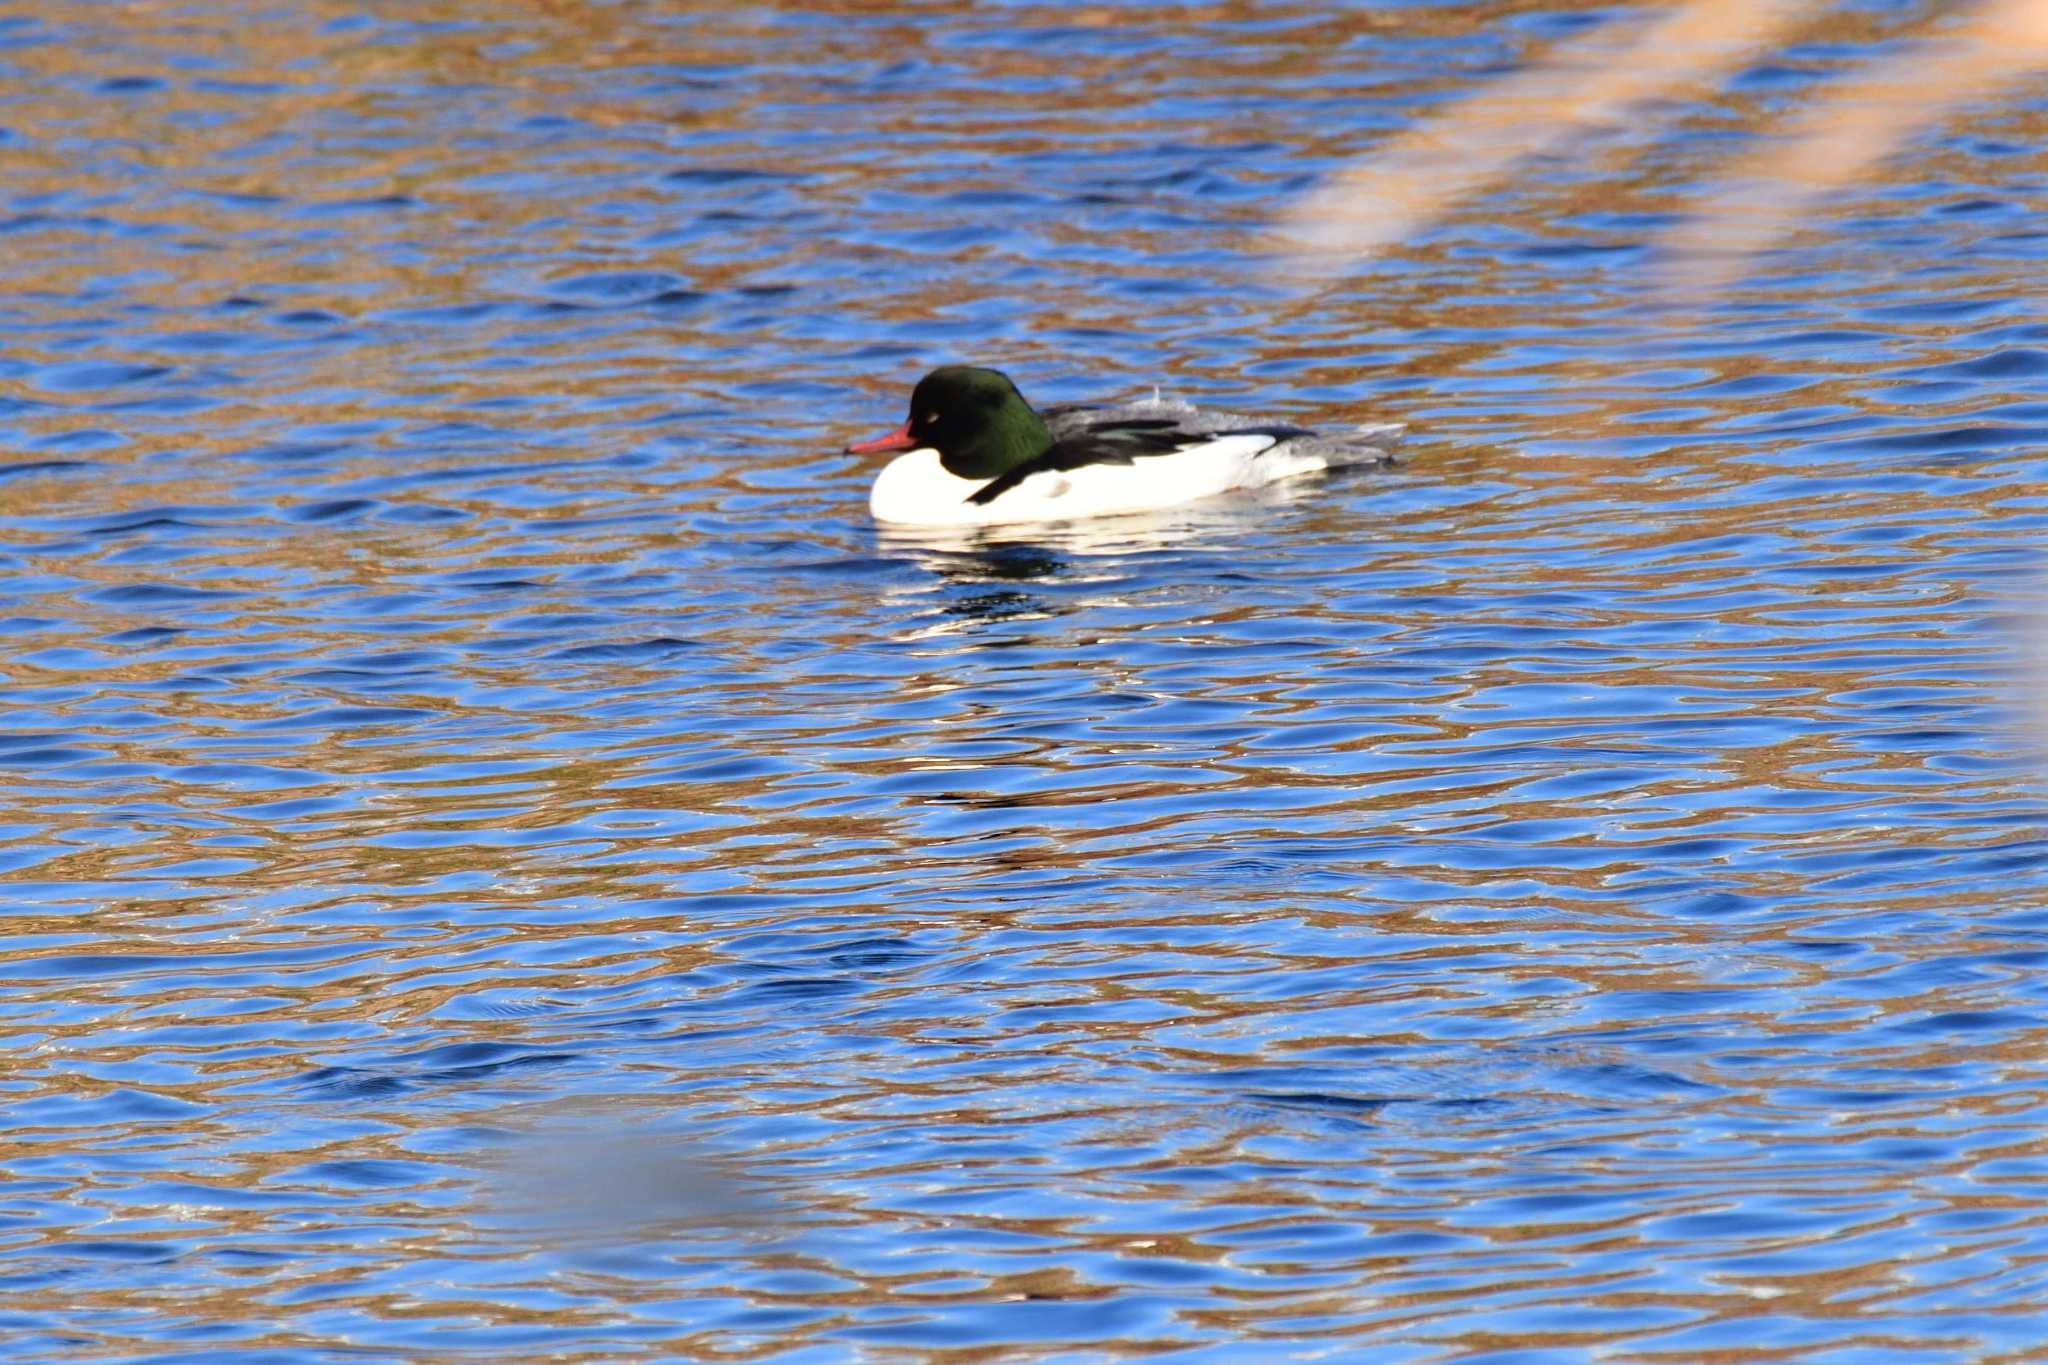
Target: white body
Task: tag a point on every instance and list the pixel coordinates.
(915, 489)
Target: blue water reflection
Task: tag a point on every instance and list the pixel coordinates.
(506, 859)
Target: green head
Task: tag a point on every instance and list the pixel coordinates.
(977, 421)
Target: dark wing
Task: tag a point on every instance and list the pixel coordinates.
(1121, 441)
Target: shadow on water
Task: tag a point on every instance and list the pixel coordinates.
(603, 1179)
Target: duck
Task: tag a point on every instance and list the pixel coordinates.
(975, 453)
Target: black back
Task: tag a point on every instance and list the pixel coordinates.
(1121, 441)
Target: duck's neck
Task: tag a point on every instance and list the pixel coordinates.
(1011, 435)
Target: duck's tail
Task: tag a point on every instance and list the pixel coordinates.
(1366, 443)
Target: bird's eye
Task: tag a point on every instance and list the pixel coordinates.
(931, 419)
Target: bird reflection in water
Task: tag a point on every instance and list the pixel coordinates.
(990, 571)
(1000, 561)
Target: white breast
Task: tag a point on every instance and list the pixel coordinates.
(915, 489)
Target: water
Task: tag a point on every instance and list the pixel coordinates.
(506, 862)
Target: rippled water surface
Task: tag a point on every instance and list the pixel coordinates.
(505, 861)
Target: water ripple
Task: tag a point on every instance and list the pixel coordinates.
(504, 858)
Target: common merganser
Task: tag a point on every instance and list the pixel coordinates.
(979, 455)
